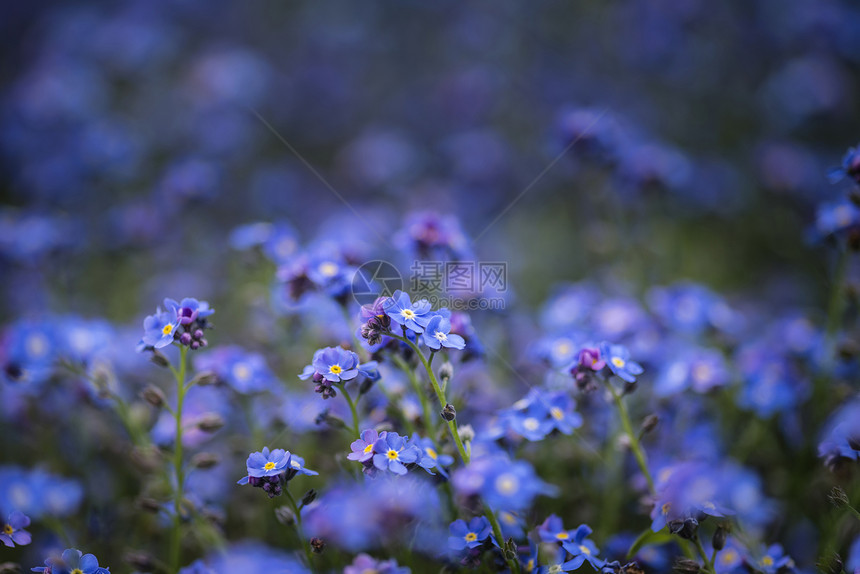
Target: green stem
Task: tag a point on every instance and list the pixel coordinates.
(440, 394)
(497, 532)
(352, 409)
(422, 396)
(176, 538)
(700, 549)
(638, 452)
(299, 530)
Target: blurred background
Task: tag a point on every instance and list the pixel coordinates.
(146, 146)
(134, 136)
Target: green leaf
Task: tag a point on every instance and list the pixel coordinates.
(649, 538)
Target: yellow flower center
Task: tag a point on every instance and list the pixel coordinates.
(431, 453)
(77, 571)
(471, 537)
(531, 424)
(168, 329)
(8, 530)
(584, 549)
(555, 569)
(530, 565)
(666, 508)
(507, 484)
(767, 561)
(618, 362)
(368, 448)
(328, 269)
(408, 314)
(440, 336)
(556, 413)
(269, 466)
(392, 454)
(728, 556)
(242, 372)
(562, 536)
(335, 369)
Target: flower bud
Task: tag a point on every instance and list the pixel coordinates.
(210, 422)
(446, 371)
(467, 433)
(309, 497)
(686, 566)
(149, 505)
(719, 540)
(204, 460)
(838, 497)
(317, 545)
(185, 338)
(285, 516)
(154, 396)
(204, 378)
(159, 359)
(650, 423)
(449, 413)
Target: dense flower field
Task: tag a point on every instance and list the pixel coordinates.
(380, 288)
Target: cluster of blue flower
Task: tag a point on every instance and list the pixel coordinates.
(682, 428)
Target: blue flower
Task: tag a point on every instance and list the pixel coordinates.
(850, 167)
(617, 358)
(774, 559)
(243, 371)
(336, 364)
(429, 456)
(159, 329)
(72, 561)
(297, 466)
(402, 311)
(582, 550)
(552, 530)
(13, 531)
(391, 452)
(437, 334)
(469, 535)
(266, 463)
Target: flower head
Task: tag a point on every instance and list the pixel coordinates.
(401, 310)
(617, 358)
(159, 329)
(13, 532)
(391, 452)
(335, 364)
(437, 334)
(468, 535)
(581, 549)
(72, 561)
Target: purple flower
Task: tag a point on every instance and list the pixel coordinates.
(437, 334)
(362, 448)
(335, 364)
(189, 310)
(469, 535)
(13, 530)
(402, 311)
(390, 452)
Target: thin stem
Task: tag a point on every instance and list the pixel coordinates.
(713, 559)
(497, 532)
(352, 409)
(440, 394)
(634, 441)
(701, 550)
(176, 538)
(299, 530)
(422, 396)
